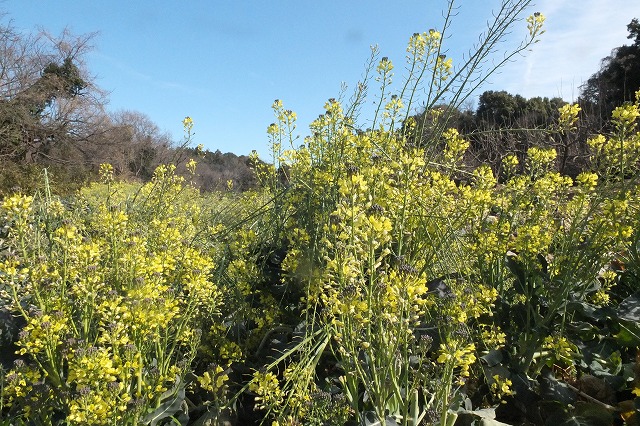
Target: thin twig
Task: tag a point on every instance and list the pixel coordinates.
(592, 399)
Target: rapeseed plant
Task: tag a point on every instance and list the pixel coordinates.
(396, 244)
(375, 279)
(111, 304)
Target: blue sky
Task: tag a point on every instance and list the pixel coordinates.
(224, 62)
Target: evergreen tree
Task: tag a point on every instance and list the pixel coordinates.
(617, 80)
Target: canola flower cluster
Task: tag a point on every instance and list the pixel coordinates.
(618, 154)
(376, 277)
(372, 288)
(111, 303)
(373, 221)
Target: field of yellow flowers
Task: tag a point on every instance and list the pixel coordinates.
(374, 279)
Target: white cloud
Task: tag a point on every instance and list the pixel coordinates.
(577, 37)
(125, 71)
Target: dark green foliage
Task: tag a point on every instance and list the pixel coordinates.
(27, 178)
(506, 110)
(500, 108)
(617, 80)
(26, 130)
(215, 171)
(67, 77)
(504, 124)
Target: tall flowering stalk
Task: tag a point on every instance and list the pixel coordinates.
(373, 227)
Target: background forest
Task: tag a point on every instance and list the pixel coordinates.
(54, 116)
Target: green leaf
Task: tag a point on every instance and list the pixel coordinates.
(371, 419)
(595, 413)
(629, 309)
(491, 422)
(517, 269)
(554, 390)
(207, 418)
(584, 330)
(493, 358)
(485, 416)
(171, 404)
(589, 312)
(629, 334)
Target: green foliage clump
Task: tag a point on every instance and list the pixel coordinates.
(618, 78)
(111, 291)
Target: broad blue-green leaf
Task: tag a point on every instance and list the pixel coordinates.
(171, 403)
(493, 358)
(629, 334)
(629, 309)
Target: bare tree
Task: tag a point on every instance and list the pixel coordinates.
(48, 101)
(142, 145)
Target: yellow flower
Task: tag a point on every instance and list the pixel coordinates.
(213, 381)
(462, 357)
(17, 209)
(385, 66)
(484, 178)
(267, 389)
(444, 67)
(568, 116)
(17, 203)
(501, 387)
(455, 146)
(626, 115)
(106, 172)
(534, 24)
(587, 180)
(540, 157)
(191, 166)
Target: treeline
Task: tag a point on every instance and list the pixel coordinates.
(505, 123)
(52, 115)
